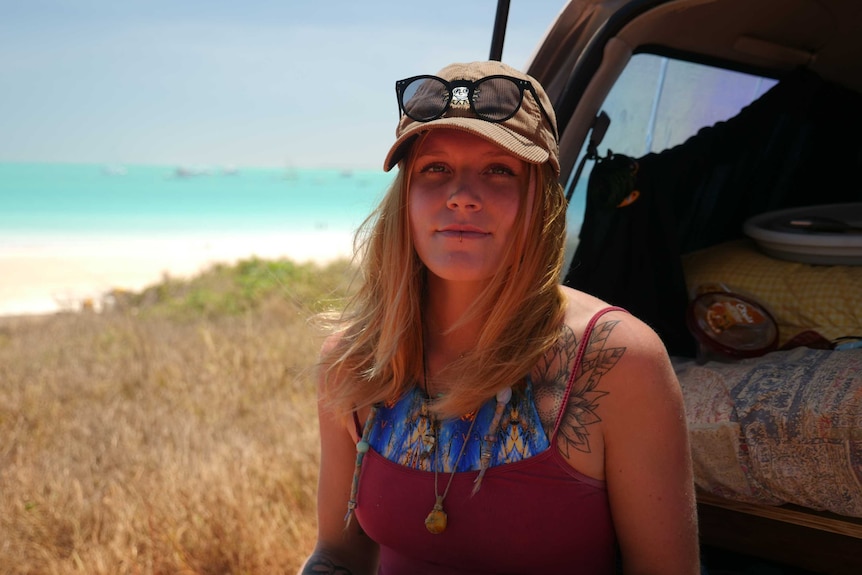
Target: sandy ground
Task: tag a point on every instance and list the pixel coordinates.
(53, 275)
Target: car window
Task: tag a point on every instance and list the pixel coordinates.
(658, 102)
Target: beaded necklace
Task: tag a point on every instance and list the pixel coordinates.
(362, 447)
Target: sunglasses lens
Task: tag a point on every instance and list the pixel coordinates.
(425, 99)
(496, 99)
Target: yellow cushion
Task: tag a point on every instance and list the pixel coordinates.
(827, 299)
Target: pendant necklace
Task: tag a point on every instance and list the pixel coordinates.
(436, 520)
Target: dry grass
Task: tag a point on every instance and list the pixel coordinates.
(156, 440)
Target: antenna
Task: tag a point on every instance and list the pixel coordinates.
(499, 30)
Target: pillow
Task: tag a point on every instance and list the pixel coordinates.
(826, 299)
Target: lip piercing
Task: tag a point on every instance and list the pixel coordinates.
(460, 237)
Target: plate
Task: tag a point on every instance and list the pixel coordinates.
(829, 234)
(730, 325)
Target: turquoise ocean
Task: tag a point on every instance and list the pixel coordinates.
(77, 201)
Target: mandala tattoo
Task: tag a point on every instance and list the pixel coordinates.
(553, 374)
(580, 410)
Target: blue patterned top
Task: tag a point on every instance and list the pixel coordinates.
(403, 433)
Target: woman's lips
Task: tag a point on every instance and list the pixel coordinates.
(463, 233)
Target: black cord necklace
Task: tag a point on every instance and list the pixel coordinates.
(437, 519)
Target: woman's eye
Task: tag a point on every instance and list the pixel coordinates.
(433, 169)
(501, 170)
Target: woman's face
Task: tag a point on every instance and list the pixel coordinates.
(464, 196)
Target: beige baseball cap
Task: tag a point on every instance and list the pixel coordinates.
(530, 134)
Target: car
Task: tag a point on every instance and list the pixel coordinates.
(689, 130)
(659, 71)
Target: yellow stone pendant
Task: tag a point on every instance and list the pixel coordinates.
(436, 520)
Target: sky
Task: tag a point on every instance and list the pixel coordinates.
(207, 83)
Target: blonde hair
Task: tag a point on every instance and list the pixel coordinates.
(378, 353)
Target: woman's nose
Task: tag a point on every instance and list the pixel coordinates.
(463, 196)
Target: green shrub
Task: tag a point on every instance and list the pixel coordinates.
(242, 287)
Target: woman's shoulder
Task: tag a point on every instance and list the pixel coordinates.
(622, 349)
(618, 350)
(601, 367)
(619, 367)
(615, 324)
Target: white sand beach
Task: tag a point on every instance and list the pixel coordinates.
(54, 274)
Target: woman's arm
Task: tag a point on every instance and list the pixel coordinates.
(340, 549)
(647, 459)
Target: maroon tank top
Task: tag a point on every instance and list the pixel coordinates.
(537, 515)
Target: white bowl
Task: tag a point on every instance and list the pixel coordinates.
(778, 240)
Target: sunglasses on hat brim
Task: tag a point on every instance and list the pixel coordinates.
(492, 98)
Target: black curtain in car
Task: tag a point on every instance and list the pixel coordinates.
(799, 144)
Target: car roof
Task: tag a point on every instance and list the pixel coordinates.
(822, 35)
(591, 40)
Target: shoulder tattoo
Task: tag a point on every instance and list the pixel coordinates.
(580, 409)
(553, 370)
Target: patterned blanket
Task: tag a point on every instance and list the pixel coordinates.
(782, 428)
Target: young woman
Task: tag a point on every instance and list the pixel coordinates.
(476, 416)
